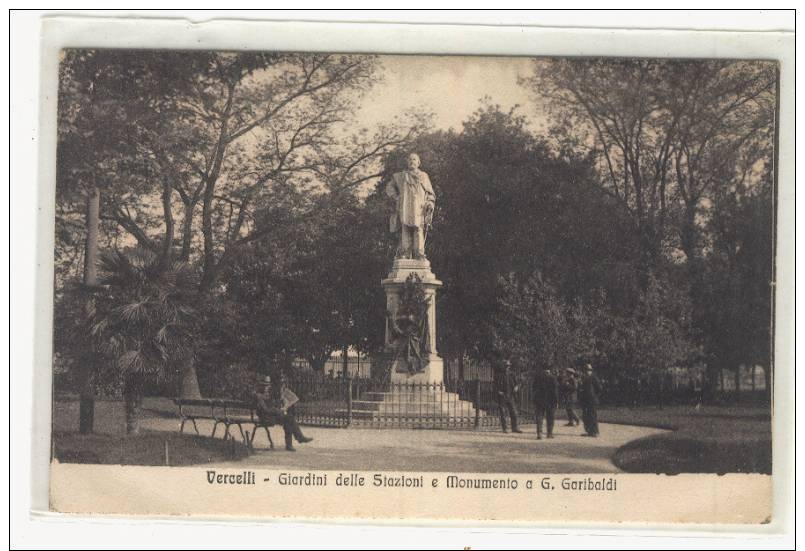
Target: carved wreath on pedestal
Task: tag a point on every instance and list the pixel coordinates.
(408, 325)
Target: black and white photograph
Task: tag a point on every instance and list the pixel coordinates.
(310, 269)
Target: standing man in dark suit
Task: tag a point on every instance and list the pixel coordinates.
(567, 393)
(506, 386)
(589, 391)
(546, 399)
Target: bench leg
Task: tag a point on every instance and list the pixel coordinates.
(242, 436)
(181, 427)
(254, 435)
(195, 427)
(215, 428)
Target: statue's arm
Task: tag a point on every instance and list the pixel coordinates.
(430, 197)
(391, 187)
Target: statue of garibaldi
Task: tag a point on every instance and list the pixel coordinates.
(415, 201)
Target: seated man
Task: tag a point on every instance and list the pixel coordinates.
(279, 409)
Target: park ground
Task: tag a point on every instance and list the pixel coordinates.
(649, 439)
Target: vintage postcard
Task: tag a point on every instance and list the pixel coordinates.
(335, 282)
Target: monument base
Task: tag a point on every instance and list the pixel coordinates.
(401, 270)
(433, 372)
(415, 405)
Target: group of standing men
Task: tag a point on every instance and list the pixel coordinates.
(549, 390)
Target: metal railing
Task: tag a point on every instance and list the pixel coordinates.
(344, 402)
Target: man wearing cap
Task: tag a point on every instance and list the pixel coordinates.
(506, 386)
(279, 408)
(567, 392)
(589, 390)
(546, 399)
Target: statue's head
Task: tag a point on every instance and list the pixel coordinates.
(413, 161)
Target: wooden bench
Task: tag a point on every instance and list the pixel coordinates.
(223, 412)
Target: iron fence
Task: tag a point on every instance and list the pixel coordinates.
(343, 402)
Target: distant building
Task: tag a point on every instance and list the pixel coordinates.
(359, 366)
(750, 379)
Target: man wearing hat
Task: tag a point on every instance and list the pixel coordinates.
(506, 387)
(279, 408)
(546, 398)
(567, 393)
(589, 390)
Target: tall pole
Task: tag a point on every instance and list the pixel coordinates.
(86, 408)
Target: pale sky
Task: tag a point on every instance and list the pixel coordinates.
(449, 86)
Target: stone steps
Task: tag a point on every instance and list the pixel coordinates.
(434, 419)
(417, 405)
(415, 395)
(430, 408)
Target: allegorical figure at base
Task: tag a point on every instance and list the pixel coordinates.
(415, 201)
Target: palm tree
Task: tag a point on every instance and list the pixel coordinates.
(143, 323)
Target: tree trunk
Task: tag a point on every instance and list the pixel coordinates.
(710, 383)
(767, 378)
(738, 383)
(91, 245)
(133, 401)
(187, 231)
(86, 403)
(345, 359)
(166, 252)
(189, 387)
(86, 409)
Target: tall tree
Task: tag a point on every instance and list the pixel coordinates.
(662, 132)
(615, 110)
(737, 281)
(316, 289)
(724, 139)
(537, 328)
(676, 142)
(218, 133)
(143, 323)
(506, 203)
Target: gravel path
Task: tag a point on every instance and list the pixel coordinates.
(440, 450)
(400, 449)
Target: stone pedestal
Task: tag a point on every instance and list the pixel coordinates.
(393, 285)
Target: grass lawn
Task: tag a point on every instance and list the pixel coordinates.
(110, 445)
(712, 439)
(146, 448)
